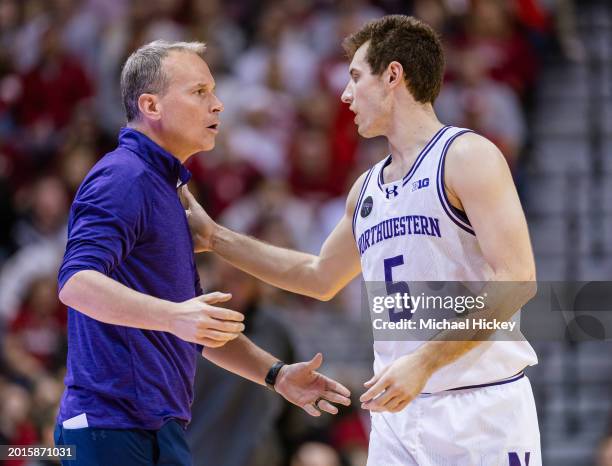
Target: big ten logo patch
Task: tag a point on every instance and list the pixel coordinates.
(419, 184)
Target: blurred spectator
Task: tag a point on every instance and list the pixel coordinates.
(225, 40)
(350, 435)
(80, 28)
(260, 136)
(271, 204)
(52, 90)
(604, 452)
(221, 178)
(488, 107)
(44, 212)
(280, 57)
(34, 344)
(15, 425)
(315, 454)
(491, 32)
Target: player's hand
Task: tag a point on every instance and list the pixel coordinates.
(303, 386)
(396, 385)
(200, 223)
(197, 321)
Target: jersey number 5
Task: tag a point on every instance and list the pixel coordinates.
(396, 315)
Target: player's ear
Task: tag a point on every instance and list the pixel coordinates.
(395, 73)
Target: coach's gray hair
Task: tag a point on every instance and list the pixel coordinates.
(142, 72)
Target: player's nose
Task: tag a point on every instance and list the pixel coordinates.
(347, 95)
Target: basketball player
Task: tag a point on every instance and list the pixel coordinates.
(450, 194)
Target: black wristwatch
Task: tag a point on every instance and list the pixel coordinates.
(273, 373)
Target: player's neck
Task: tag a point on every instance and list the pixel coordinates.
(411, 128)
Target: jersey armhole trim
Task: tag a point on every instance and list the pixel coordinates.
(360, 198)
(456, 215)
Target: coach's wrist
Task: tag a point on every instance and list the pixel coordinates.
(164, 314)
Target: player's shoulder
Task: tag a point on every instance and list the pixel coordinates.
(358, 185)
(471, 152)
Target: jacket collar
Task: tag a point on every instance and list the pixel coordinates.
(162, 161)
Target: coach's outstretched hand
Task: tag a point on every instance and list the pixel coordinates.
(200, 223)
(197, 321)
(301, 385)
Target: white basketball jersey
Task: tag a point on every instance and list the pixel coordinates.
(407, 230)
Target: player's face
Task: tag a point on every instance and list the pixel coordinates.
(189, 107)
(367, 96)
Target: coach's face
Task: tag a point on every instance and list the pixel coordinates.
(367, 96)
(189, 109)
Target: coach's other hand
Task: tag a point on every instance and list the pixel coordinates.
(200, 223)
(393, 388)
(301, 385)
(197, 321)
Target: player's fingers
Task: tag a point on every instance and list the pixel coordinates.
(210, 343)
(375, 390)
(403, 403)
(310, 409)
(216, 335)
(187, 196)
(183, 197)
(337, 387)
(326, 406)
(220, 313)
(381, 406)
(216, 297)
(395, 405)
(337, 398)
(229, 326)
(384, 398)
(376, 377)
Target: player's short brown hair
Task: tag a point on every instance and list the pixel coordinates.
(408, 41)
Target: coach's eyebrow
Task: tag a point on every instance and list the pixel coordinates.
(205, 86)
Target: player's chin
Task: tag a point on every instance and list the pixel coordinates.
(366, 132)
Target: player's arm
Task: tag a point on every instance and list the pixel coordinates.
(298, 383)
(479, 182)
(319, 277)
(196, 320)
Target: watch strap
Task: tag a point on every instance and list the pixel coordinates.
(273, 373)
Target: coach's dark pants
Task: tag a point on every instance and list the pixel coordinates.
(129, 447)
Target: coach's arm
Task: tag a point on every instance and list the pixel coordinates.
(319, 277)
(298, 383)
(478, 181)
(196, 320)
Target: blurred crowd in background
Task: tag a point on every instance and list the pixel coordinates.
(285, 157)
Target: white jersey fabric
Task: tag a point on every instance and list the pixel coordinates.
(411, 222)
